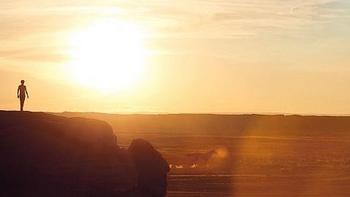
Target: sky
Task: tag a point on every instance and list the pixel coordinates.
(208, 56)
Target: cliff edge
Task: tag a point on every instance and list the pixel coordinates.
(48, 155)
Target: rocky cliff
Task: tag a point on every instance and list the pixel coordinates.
(48, 155)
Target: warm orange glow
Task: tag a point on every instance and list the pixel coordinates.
(267, 56)
(108, 56)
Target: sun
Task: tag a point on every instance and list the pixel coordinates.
(108, 55)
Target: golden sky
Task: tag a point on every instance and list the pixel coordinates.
(187, 56)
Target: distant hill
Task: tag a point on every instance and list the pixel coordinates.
(49, 155)
(232, 125)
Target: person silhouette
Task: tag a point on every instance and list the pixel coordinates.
(21, 94)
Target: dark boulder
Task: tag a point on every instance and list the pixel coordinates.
(151, 168)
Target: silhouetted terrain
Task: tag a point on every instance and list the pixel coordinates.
(226, 125)
(48, 155)
(245, 155)
(209, 155)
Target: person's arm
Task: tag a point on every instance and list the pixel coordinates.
(18, 92)
(27, 92)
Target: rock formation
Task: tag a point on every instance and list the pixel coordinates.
(48, 155)
(151, 168)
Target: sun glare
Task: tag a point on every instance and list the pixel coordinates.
(108, 55)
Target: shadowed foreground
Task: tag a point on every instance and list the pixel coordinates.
(245, 155)
(47, 155)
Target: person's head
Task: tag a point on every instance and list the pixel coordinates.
(22, 81)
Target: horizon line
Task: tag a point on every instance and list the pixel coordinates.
(190, 113)
(206, 113)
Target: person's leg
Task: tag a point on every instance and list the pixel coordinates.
(22, 102)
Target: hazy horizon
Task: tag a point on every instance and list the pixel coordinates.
(187, 113)
(230, 57)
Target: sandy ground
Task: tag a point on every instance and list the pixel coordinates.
(254, 165)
